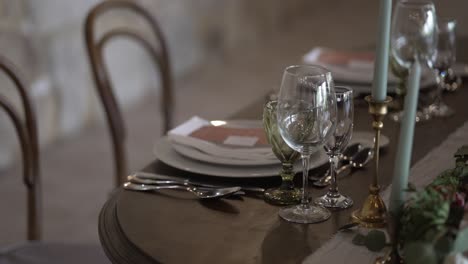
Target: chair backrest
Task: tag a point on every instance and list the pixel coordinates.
(101, 77)
(27, 133)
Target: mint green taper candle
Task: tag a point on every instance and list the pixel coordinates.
(405, 144)
(379, 85)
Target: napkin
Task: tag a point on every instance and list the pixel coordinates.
(242, 143)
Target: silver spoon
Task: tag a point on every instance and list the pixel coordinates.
(200, 193)
(358, 161)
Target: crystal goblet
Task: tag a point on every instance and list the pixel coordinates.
(306, 119)
(286, 194)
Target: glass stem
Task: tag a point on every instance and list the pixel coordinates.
(333, 166)
(440, 87)
(287, 176)
(305, 176)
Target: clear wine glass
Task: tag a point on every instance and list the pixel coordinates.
(414, 33)
(445, 58)
(413, 38)
(336, 144)
(306, 120)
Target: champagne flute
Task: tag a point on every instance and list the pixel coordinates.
(306, 119)
(336, 144)
(286, 194)
(444, 59)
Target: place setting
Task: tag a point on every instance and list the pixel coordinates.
(245, 149)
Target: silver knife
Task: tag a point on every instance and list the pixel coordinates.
(155, 176)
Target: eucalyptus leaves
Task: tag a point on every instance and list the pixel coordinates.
(428, 227)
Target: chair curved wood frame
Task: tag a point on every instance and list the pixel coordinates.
(29, 141)
(28, 137)
(102, 80)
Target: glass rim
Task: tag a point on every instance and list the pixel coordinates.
(289, 70)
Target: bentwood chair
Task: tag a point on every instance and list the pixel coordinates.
(95, 48)
(36, 251)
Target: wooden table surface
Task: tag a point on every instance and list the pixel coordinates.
(173, 227)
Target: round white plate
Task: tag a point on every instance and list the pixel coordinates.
(164, 152)
(365, 138)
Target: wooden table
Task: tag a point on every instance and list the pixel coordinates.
(173, 227)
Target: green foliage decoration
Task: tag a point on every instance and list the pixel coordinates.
(428, 228)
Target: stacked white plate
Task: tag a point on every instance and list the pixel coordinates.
(358, 73)
(181, 152)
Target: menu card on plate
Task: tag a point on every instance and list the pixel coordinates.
(244, 143)
(230, 136)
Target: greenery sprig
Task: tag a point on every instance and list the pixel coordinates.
(430, 219)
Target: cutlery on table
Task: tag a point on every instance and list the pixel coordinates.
(137, 180)
(347, 155)
(203, 193)
(184, 181)
(358, 161)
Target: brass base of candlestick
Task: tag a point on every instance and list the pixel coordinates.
(373, 213)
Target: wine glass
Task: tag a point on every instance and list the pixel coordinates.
(445, 57)
(286, 194)
(414, 33)
(413, 39)
(336, 144)
(306, 119)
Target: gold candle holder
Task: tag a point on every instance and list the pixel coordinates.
(373, 213)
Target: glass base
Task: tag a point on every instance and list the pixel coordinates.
(441, 110)
(304, 214)
(334, 200)
(280, 196)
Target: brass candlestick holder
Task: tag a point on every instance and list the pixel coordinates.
(373, 213)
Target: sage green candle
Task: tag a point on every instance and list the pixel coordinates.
(379, 84)
(405, 144)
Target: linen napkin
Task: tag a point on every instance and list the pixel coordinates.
(242, 143)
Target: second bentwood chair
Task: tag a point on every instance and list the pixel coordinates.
(95, 48)
(36, 251)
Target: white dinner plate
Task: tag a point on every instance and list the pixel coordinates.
(164, 151)
(192, 153)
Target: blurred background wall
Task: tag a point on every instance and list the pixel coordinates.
(45, 39)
